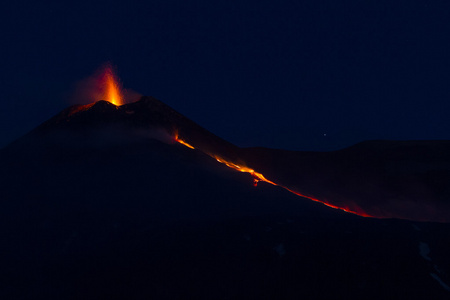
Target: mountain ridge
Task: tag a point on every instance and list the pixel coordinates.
(383, 179)
(118, 212)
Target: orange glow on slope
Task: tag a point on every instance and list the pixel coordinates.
(112, 89)
(256, 176)
(260, 177)
(79, 108)
(182, 141)
(359, 213)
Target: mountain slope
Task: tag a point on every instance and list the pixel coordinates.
(106, 210)
(384, 179)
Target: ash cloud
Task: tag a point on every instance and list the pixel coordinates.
(130, 95)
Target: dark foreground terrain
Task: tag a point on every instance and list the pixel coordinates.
(144, 219)
(102, 202)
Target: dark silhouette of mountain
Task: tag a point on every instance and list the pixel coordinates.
(146, 114)
(101, 202)
(384, 179)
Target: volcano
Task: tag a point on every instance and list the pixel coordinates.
(382, 179)
(138, 201)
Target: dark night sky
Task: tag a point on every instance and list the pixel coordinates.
(279, 74)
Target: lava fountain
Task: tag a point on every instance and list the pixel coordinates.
(111, 87)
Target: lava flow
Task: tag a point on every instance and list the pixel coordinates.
(256, 176)
(179, 140)
(260, 177)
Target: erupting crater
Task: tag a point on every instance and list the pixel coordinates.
(112, 90)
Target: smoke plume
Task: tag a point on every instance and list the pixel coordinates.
(94, 87)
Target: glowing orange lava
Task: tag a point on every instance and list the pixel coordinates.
(184, 143)
(359, 212)
(256, 176)
(260, 177)
(112, 89)
(179, 140)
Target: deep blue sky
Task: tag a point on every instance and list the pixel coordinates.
(270, 73)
